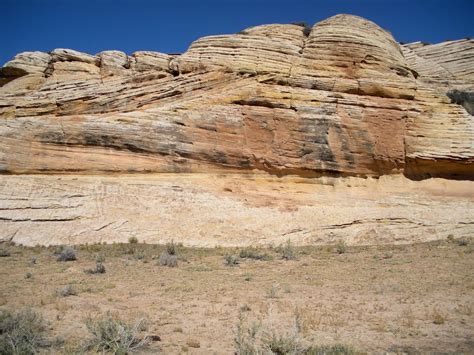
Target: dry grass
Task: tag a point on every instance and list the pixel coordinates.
(419, 298)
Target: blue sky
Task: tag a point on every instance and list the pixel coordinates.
(171, 25)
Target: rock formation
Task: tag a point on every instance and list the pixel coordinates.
(341, 98)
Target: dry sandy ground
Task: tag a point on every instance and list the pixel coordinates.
(206, 210)
(408, 298)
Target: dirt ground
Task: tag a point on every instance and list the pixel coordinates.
(404, 298)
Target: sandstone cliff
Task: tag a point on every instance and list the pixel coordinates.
(340, 101)
(342, 97)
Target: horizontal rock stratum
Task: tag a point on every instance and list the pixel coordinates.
(346, 118)
(342, 97)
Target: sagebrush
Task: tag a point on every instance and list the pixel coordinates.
(111, 334)
(22, 332)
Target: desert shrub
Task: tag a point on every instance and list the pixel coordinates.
(66, 291)
(438, 318)
(231, 260)
(253, 253)
(98, 269)
(402, 349)
(463, 98)
(99, 258)
(4, 253)
(172, 248)
(110, 334)
(91, 248)
(255, 339)
(245, 341)
(28, 275)
(193, 343)
(139, 255)
(306, 27)
(341, 247)
(167, 259)
(67, 254)
(258, 339)
(462, 242)
(283, 343)
(272, 291)
(287, 251)
(337, 349)
(133, 240)
(307, 31)
(21, 332)
(245, 308)
(128, 249)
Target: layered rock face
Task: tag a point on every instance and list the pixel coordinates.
(340, 104)
(339, 98)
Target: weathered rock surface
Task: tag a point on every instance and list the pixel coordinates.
(444, 64)
(232, 210)
(340, 98)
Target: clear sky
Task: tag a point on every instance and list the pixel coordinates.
(171, 25)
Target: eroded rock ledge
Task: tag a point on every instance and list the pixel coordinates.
(342, 98)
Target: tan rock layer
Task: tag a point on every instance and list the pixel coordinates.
(232, 210)
(340, 98)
